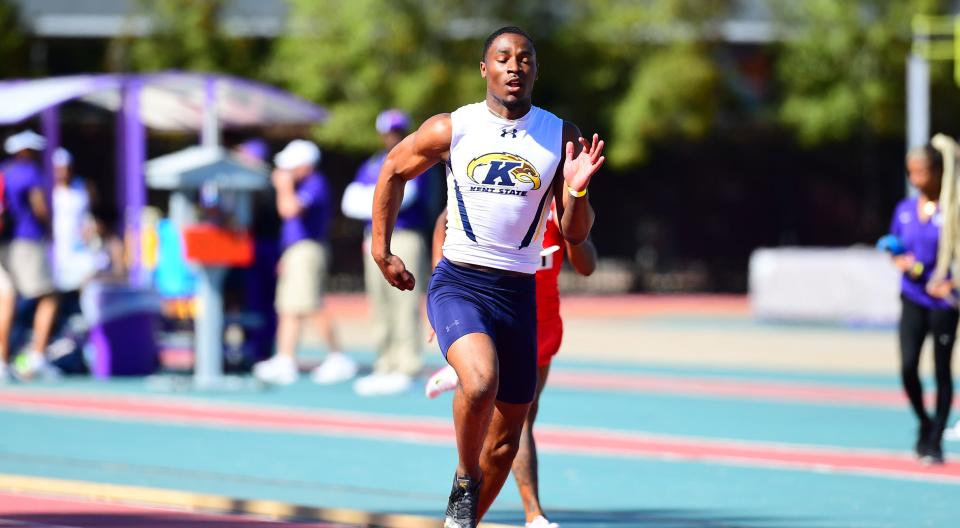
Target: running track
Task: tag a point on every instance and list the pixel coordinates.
(623, 447)
(569, 440)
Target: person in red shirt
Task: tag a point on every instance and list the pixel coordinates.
(583, 258)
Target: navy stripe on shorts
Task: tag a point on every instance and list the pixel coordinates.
(462, 301)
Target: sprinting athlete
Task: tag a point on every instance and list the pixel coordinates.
(506, 160)
(583, 257)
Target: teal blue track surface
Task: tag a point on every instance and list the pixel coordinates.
(577, 490)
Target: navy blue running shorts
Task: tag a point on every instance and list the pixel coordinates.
(463, 301)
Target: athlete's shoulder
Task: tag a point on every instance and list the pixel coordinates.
(434, 134)
(436, 123)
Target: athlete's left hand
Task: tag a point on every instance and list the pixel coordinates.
(577, 171)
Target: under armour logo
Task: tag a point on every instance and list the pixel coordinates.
(504, 131)
(456, 322)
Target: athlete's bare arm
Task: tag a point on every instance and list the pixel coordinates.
(583, 257)
(580, 162)
(419, 151)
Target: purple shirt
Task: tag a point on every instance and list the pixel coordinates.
(413, 216)
(921, 239)
(314, 219)
(19, 178)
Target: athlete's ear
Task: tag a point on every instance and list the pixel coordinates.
(483, 69)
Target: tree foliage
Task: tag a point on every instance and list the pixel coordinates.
(841, 65)
(671, 94)
(357, 58)
(637, 71)
(13, 43)
(360, 57)
(184, 35)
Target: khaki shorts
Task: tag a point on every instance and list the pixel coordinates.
(25, 267)
(303, 272)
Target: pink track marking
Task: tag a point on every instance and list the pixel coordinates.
(578, 441)
(731, 388)
(29, 511)
(354, 306)
(634, 305)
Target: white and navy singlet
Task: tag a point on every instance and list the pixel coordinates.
(499, 178)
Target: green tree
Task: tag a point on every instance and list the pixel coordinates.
(649, 62)
(357, 58)
(643, 66)
(841, 65)
(186, 35)
(13, 43)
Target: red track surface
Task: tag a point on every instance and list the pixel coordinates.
(27, 511)
(779, 391)
(355, 305)
(429, 430)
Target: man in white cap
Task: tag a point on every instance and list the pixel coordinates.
(303, 201)
(24, 258)
(73, 262)
(397, 316)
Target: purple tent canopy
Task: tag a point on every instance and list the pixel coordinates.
(168, 101)
(173, 101)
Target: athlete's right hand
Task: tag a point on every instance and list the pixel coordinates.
(395, 271)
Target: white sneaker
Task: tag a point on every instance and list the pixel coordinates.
(336, 368)
(279, 370)
(5, 375)
(541, 522)
(441, 381)
(382, 384)
(952, 433)
(36, 367)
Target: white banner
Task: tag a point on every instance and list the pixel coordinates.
(841, 285)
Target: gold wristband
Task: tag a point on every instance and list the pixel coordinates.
(576, 194)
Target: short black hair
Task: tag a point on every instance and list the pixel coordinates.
(506, 29)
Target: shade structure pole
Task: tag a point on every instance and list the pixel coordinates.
(134, 187)
(918, 106)
(918, 101)
(208, 343)
(210, 128)
(50, 128)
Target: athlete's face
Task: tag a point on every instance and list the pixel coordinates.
(510, 68)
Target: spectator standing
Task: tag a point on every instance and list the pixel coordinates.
(25, 257)
(303, 202)
(397, 315)
(927, 307)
